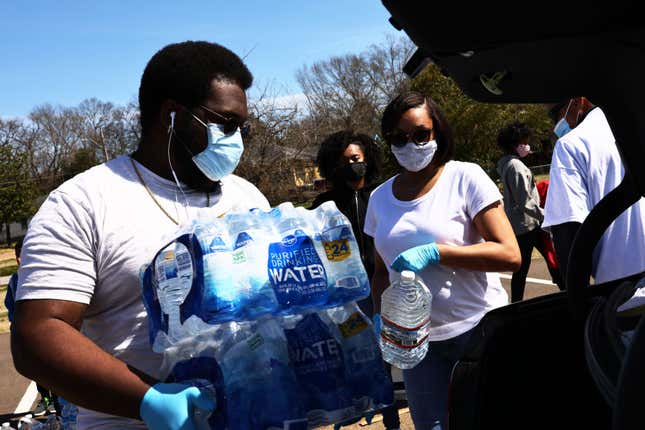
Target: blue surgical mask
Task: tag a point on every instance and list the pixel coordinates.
(562, 127)
(222, 154)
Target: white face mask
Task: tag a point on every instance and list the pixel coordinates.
(523, 150)
(414, 157)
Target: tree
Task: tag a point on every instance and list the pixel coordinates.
(16, 188)
(62, 141)
(53, 138)
(81, 160)
(106, 128)
(351, 91)
(475, 125)
(272, 157)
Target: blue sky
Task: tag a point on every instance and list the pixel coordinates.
(64, 51)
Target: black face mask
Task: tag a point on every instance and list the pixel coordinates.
(353, 171)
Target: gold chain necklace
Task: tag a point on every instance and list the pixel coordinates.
(154, 199)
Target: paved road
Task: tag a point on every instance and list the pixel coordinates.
(13, 385)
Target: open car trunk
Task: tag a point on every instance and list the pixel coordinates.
(527, 367)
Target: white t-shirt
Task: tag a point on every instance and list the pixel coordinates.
(585, 167)
(88, 241)
(445, 215)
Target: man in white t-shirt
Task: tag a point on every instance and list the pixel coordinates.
(79, 293)
(586, 166)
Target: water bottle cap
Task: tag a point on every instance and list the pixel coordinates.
(407, 276)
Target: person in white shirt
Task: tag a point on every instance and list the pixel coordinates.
(443, 220)
(585, 167)
(79, 292)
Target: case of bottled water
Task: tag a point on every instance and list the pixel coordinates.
(258, 309)
(313, 368)
(247, 265)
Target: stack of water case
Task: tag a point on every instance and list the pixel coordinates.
(260, 309)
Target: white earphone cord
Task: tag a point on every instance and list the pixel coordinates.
(171, 130)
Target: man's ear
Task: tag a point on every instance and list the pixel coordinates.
(168, 112)
(574, 112)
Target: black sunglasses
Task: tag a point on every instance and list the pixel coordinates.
(418, 136)
(554, 112)
(230, 123)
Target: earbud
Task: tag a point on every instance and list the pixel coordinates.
(172, 119)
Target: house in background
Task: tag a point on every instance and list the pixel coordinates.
(281, 173)
(18, 229)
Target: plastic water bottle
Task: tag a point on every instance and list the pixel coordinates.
(251, 235)
(174, 272)
(346, 276)
(296, 271)
(405, 313)
(365, 372)
(316, 357)
(219, 299)
(261, 389)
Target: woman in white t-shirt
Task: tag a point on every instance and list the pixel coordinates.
(444, 220)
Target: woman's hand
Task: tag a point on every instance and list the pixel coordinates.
(417, 258)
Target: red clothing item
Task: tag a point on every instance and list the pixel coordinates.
(542, 188)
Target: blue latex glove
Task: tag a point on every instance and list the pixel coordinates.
(376, 321)
(416, 258)
(172, 406)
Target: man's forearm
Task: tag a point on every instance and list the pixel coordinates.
(56, 355)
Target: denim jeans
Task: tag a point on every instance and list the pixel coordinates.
(426, 385)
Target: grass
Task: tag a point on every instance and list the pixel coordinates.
(4, 314)
(8, 270)
(7, 267)
(542, 177)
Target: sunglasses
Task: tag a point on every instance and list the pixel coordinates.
(554, 112)
(420, 136)
(230, 123)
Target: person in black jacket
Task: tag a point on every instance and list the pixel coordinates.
(351, 163)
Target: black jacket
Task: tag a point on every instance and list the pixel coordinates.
(353, 204)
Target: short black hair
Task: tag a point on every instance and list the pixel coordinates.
(18, 247)
(335, 144)
(511, 135)
(442, 131)
(183, 72)
(554, 111)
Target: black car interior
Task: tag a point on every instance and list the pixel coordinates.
(549, 362)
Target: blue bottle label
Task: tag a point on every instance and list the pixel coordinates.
(296, 271)
(243, 239)
(217, 244)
